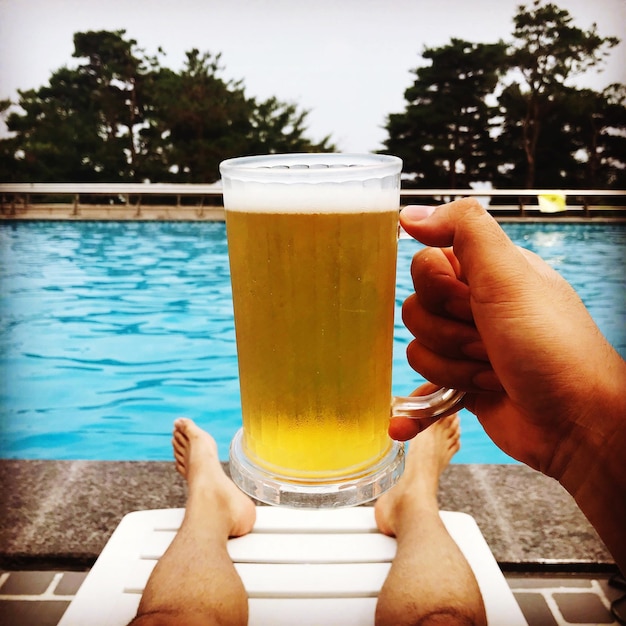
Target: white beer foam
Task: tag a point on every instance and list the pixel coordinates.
(312, 183)
(357, 196)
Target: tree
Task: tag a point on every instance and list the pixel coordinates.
(199, 118)
(58, 133)
(81, 125)
(280, 127)
(547, 52)
(8, 147)
(555, 160)
(597, 124)
(120, 116)
(508, 113)
(443, 136)
(114, 72)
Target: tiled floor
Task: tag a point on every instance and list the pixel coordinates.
(557, 600)
(36, 598)
(40, 598)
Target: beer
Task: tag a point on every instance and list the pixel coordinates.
(313, 295)
(312, 242)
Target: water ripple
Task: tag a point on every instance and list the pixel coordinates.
(108, 331)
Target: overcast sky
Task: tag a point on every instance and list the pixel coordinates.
(347, 61)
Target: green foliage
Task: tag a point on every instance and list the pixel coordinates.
(548, 51)
(199, 119)
(278, 127)
(597, 122)
(443, 137)
(120, 116)
(508, 113)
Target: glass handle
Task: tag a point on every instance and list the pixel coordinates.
(433, 405)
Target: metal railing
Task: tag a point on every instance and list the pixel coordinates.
(24, 197)
(584, 201)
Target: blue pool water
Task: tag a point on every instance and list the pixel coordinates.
(108, 331)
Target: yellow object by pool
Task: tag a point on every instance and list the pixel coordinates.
(552, 202)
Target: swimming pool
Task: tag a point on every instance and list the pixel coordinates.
(108, 331)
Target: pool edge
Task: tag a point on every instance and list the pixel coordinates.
(61, 513)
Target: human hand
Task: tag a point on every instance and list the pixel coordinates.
(497, 322)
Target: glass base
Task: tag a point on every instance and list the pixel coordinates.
(340, 491)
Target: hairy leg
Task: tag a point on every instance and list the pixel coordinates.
(195, 581)
(430, 582)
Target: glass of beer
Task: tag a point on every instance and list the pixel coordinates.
(312, 244)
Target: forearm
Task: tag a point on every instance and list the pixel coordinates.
(596, 475)
(603, 501)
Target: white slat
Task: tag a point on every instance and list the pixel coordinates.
(284, 519)
(288, 580)
(154, 545)
(348, 520)
(167, 519)
(136, 576)
(312, 548)
(306, 580)
(312, 612)
(290, 548)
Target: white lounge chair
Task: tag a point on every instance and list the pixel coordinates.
(299, 566)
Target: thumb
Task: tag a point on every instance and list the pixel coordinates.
(511, 302)
(478, 241)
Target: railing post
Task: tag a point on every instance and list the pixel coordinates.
(522, 211)
(75, 210)
(200, 211)
(586, 206)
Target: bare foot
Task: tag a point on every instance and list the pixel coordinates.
(211, 492)
(429, 454)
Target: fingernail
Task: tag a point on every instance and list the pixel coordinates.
(417, 212)
(487, 380)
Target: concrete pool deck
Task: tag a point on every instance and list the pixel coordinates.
(61, 513)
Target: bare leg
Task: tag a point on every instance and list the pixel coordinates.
(195, 581)
(430, 582)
